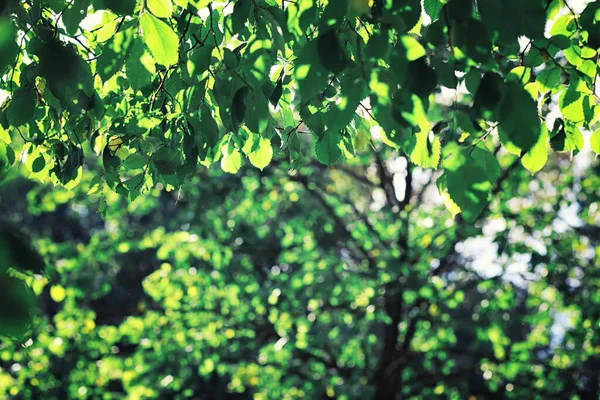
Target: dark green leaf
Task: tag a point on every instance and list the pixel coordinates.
(327, 148)
(332, 55)
(73, 15)
(22, 106)
(276, 94)
(38, 164)
(238, 107)
(18, 305)
(17, 252)
(8, 44)
(470, 175)
(520, 124)
(166, 161)
(489, 93)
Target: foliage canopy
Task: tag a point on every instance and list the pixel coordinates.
(266, 285)
(153, 88)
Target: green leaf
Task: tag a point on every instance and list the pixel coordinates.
(595, 142)
(519, 124)
(262, 156)
(230, 59)
(134, 185)
(166, 161)
(161, 8)
(489, 93)
(378, 45)
(331, 54)
(457, 10)
(444, 71)
(535, 159)
(231, 161)
(18, 305)
(22, 107)
(121, 7)
(4, 160)
(561, 41)
(241, 12)
(160, 39)
(139, 66)
(309, 72)
(411, 46)
(472, 38)
(356, 8)
(472, 80)
(277, 93)
(334, 14)
(519, 74)
(114, 54)
(352, 92)
(432, 8)
(200, 60)
(205, 132)
(534, 57)
(421, 80)
(427, 152)
(327, 148)
(135, 161)
(258, 115)
(590, 21)
(470, 175)
(572, 104)
(73, 15)
(210, 127)
(38, 164)
(67, 75)
(549, 78)
(566, 136)
(406, 12)
(8, 43)
(501, 17)
(573, 139)
(558, 136)
(110, 161)
(466, 123)
(238, 107)
(16, 251)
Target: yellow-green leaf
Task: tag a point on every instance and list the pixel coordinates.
(160, 39)
(595, 142)
(161, 8)
(231, 162)
(263, 155)
(362, 139)
(427, 152)
(537, 156)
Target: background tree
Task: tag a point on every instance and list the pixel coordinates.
(270, 285)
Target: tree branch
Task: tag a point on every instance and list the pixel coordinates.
(422, 303)
(409, 186)
(386, 181)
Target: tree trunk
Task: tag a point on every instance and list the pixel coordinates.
(387, 380)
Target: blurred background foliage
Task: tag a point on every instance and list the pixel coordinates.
(355, 283)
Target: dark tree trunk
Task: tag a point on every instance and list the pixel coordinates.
(387, 380)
